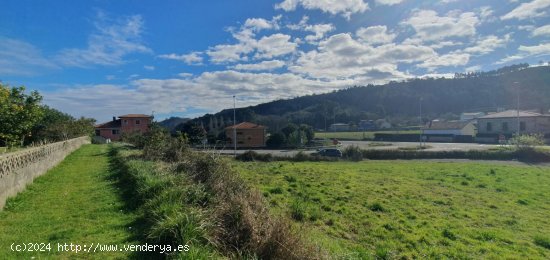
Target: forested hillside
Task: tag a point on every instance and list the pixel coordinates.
(399, 102)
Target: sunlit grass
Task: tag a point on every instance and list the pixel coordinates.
(388, 209)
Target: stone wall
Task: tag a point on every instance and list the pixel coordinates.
(18, 169)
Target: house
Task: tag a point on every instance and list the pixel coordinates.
(366, 125)
(471, 116)
(248, 135)
(449, 131)
(131, 123)
(339, 127)
(505, 124)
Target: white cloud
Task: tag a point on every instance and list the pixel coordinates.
(22, 58)
(341, 56)
(319, 30)
(488, 44)
(149, 67)
(258, 24)
(210, 91)
(541, 31)
(430, 27)
(193, 58)
(343, 7)
(274, 45)
(541, 49)
(535, 8)
(112, 41)
(389, 2)
(511, 58)
(264, 65)
(446, 60)
(185, 75)
(375, 35)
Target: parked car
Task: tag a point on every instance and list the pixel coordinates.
(330, 152)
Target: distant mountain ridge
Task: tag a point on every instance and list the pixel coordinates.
(172, 122)
(400, 101)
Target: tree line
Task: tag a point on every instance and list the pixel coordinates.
(25, 120)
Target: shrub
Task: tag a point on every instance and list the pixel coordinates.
(276, 190)
(250, 156)
(353, 153)
(297, 211)
(448, 234)
(376, 207)
(527, 141)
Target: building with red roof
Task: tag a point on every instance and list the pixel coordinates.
(248, 134)
(131, 123)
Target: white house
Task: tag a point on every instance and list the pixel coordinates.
(437, 127)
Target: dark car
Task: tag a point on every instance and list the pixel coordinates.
(330, 152)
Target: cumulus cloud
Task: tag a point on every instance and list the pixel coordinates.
(429, 26)
(193, 58)
(258, 24)
(319, 30)
(446, 60)
(343, 7)
(109, 44)
(210, 91)
(375, 35)
(535, 8)
(341, 56)
(264, 65)
(488, 44)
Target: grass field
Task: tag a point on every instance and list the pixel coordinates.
(75, 202)
(412, 210)
(358, 135)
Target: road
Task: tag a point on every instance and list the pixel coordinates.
(377, 145)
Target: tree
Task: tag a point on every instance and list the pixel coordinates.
(308, 132)
(289, 129)
(19, 112)
(276, 140)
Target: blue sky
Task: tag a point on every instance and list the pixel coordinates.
(186, 58)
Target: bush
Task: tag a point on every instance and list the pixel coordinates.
(527, 141)
(250, 156)
(353, 153)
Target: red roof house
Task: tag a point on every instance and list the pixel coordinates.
(131, 123)
(248, 134)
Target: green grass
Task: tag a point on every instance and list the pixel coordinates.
(77, 201)
(359, 135)
(397, 209)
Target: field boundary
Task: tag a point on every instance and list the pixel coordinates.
(18, 169)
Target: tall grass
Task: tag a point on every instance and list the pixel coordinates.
(196, 198)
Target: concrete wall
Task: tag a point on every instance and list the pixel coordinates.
(20, 168)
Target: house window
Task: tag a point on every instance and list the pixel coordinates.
(115, 131)
(505, 126)
(239, 133)
(125, 121)
(97, 132)
(522, 126)
(489, 126)
(240, 142)
(138, 122)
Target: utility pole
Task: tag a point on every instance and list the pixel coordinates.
(234, 129)
(517, 107)
(421, 122)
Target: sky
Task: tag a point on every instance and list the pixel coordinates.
(186, 58)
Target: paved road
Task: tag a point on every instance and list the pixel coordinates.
(376, 145)
(432, 146)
